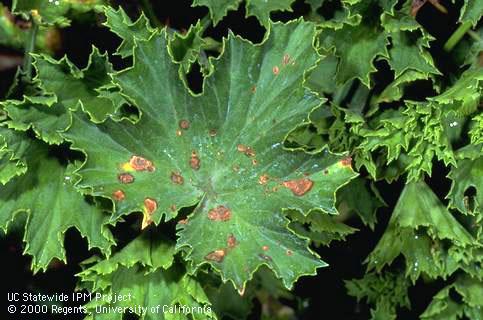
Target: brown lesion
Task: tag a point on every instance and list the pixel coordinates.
(299, 187)
(118, 195)
(176, 178)
(150, 206)
(195, 161)
(220, 213)
(346, 162)
(216, 255)
(125, 178)
(231, 241)
(138, 163)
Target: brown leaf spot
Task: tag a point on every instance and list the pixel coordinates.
(254, 162)
(276, 70)
(217, 255)
(265, 248)
(346, 162)
(289, 252)
(125, 178)
(183, 221)
(286, 59)
(212, 132)
(141, 164)
(184, 124)
(150, 205)
(176, 178)
(220, 213)
(241, 148)
(118, 195)
(195, 161)
(326, 171)
(299, 187)
(236, 168)
(265, 257)
(249, 152)
(231, 241)
(173, 207)
(253, 89)
(263, 179)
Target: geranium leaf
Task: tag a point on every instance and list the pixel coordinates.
(222, 151)
(47, 195)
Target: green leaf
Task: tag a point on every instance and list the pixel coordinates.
(10, 34)
(386, 291)
(73, 87)
(466, 174)
(258, 8)
(185, 48)
(52, 11)
(221, 151)
(357, 46)
(472, 10)
(362, 199)
(13, 149)
(47, 195)
(144, 272)
(322, 229)
(46, 121)
(120, 23)
(417, 226)
(445, 307)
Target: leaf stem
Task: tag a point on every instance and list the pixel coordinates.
(30, 48)
(456, 36)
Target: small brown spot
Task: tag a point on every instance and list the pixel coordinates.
(249, 152)
(236, 168)
(184, 124)
(220, 213)
(125, 178)
(141, 164)
(254, 162)
(326, 171)
(265, 248)
(289, 252)
(253, 89)
(195, 161)
(217, 255)
(299, 187)
(183, 221)
(263, 179)
(286, 59)
(346, 162)
(213, 132)
(150, 205)
(118, 195)
(275, 70)
(241, 147)
(265, 257)
(231, 241)
(172, 207)
(177, 178)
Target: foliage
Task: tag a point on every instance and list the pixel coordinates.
(234, 191)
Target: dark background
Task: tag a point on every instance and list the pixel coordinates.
(324, 295)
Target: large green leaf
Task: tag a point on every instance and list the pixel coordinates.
(144, 272)
(221, 151)
(47, 195)
(418, 225)
(13, 150)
